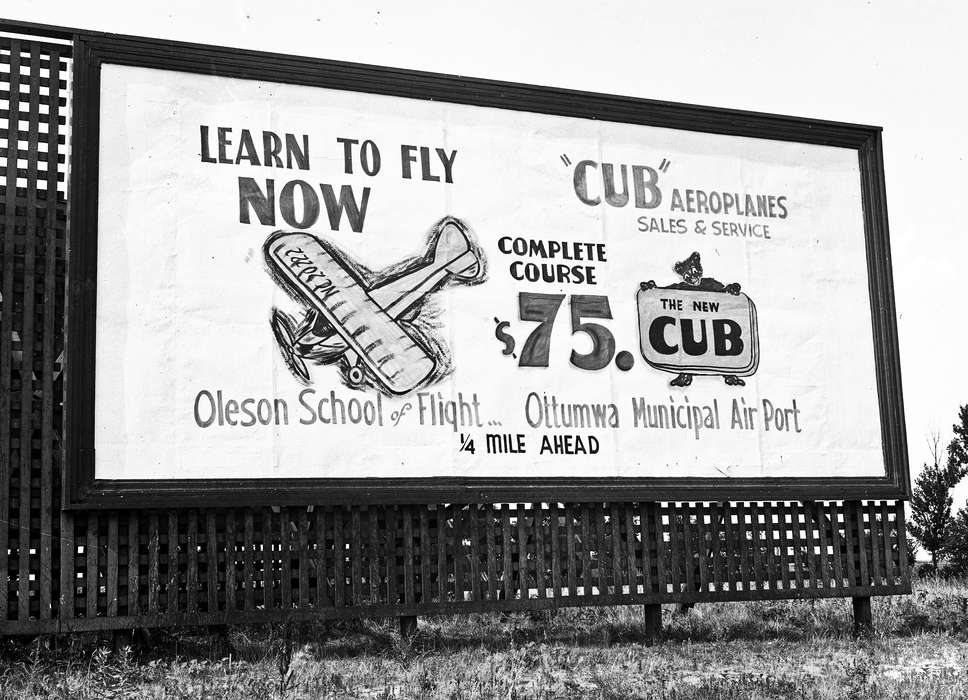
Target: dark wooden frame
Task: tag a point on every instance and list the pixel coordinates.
(91, 50)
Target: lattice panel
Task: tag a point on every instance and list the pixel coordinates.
(33, 206)
(212, 566)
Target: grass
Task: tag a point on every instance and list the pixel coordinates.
(731, 650)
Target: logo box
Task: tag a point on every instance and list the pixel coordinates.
(698, 332)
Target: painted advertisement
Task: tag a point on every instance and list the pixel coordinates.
(297, 282)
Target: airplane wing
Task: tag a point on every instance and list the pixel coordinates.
(311, 272)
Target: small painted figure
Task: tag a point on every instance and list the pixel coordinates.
(690, 270)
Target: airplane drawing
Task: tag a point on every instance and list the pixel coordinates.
(366, 321)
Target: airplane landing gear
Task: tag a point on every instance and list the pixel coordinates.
(355, 375)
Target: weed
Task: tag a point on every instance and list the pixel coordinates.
(766, 649)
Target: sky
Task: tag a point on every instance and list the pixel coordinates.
(889, 63)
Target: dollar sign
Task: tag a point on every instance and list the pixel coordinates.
(501, 334)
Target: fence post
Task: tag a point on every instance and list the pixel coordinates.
(408, 626)
(653, 622)
(863, 620)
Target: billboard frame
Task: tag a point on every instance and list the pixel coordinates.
(82, 489)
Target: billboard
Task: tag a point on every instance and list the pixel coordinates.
(380, 294)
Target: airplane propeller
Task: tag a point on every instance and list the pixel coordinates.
(282, 329)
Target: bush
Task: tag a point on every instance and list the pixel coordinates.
(957, 545)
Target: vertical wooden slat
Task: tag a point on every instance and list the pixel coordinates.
(91, 581)
(460, 584)
(586, 555)
(757, 575)
(373, 548)
(823, 542)
(675, 547)
(268, 577)
(442, 513)
(6, 324)
(863, 543)
(647, 537)
(537, 527)
(782, 538)
(596, 529)
(285, 556)
(661, 569)
(211, 562)
(392, 529)
(111, 609)
(891, 565)
(875, 545)
(231, 551)
(785, 537)
(555, 534)
(522, 551)
(850, 541)
(27, 330)
(807, 509)
(303, 553)
(426, 591)
(887, 557)
(191, 550)
(746, 573)
(409, 555)
(730, 543)
(134, 549)
(715, 548)
(617, 560)
(715, 552)
(475, 538)
(703, 543)
(602, 548)
(68, 572)
(853, 541)
(793, 508)
(322, 570)
(689, 551)
(248, 563)
(807, 546)
(570, 549)
(154, 573)
(775, 577)
(761, 554)
(490, 534)
(838, 548)
(339, 560)
(47, 494)
(506, 563)
(356, 556)
(901, 540)
(631, 570)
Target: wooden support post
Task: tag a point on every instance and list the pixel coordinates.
(142, 639)
(122, 639)
(863, 620)
(408, 626)
(653, 622)
(221, 645)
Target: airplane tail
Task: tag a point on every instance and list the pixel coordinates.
(452, 245)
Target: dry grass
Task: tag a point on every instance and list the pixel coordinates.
(730, 650)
